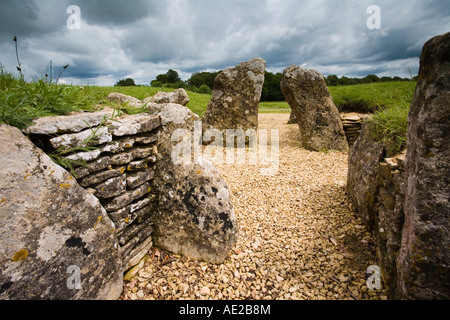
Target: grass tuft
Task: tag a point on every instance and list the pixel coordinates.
(390, 127)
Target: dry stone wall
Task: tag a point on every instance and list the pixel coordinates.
(126, 192)
(57, 240)
(375, 186)
(404, 201)
(352, 123)
(118, 172)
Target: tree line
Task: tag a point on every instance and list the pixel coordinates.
(203, 82)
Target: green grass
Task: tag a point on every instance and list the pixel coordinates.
(97, 96)
(274, 107)
(22, 101)
(390, 127)
(389, 102)
(370, 98)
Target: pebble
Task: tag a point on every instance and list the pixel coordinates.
(294, 229)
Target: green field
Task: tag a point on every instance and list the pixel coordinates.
(373, 96)
(22, 101)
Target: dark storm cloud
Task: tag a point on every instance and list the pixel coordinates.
(117, 12)
(141, 39)
(27, 18)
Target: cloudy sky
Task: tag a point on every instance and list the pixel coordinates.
(143, 38)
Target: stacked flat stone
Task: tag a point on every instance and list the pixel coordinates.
(352, 123)
(118, 171)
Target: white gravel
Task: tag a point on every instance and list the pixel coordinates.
(299, 237)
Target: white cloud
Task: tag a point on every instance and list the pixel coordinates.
(142, 39)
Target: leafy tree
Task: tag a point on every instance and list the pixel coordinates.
(172, 76)
(271, 90)
(204, 89)
(169, 79)
(203, 78)
(332, 80)
(156, 84)
(344, 81)
(128, 82)
(371, 78)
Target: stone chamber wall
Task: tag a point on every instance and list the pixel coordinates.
(405, 201)
(352, 123)
(118, 172)
(376, 189)
(100, 218)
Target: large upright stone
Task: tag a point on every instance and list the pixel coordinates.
(364, 160)
(57, 241)
(424, 259)
(317, 116)
(194, 214)
(236, 96)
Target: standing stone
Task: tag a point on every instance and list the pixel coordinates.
(57, 242)
(292, 118)
(362, 187)
(318, 118)
(194, 214)
(424, 259)
(236, 96)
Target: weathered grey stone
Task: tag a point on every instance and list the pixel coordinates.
(111, 188)
(141, 164)
(128, 197)
(424, 258)
(375, 187)
(85, 156)
(133, 124)
(133, 253)
(120, 98)
(142, 152)
(63, 124)
(142, 231)
(193, 215)
(236, 96)
(146, 138)
(120, 214)
(389, 219)
(98, 177)
(318, 118)
(51, 228)
(112, 147)
(178, 96)
(126, 143)
(292, 118)
(364, 160)
(134, 215)
(92, 167)
(137, 179)
(121, 158)
(98, 136)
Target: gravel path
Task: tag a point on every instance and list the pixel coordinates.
(299, 237)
